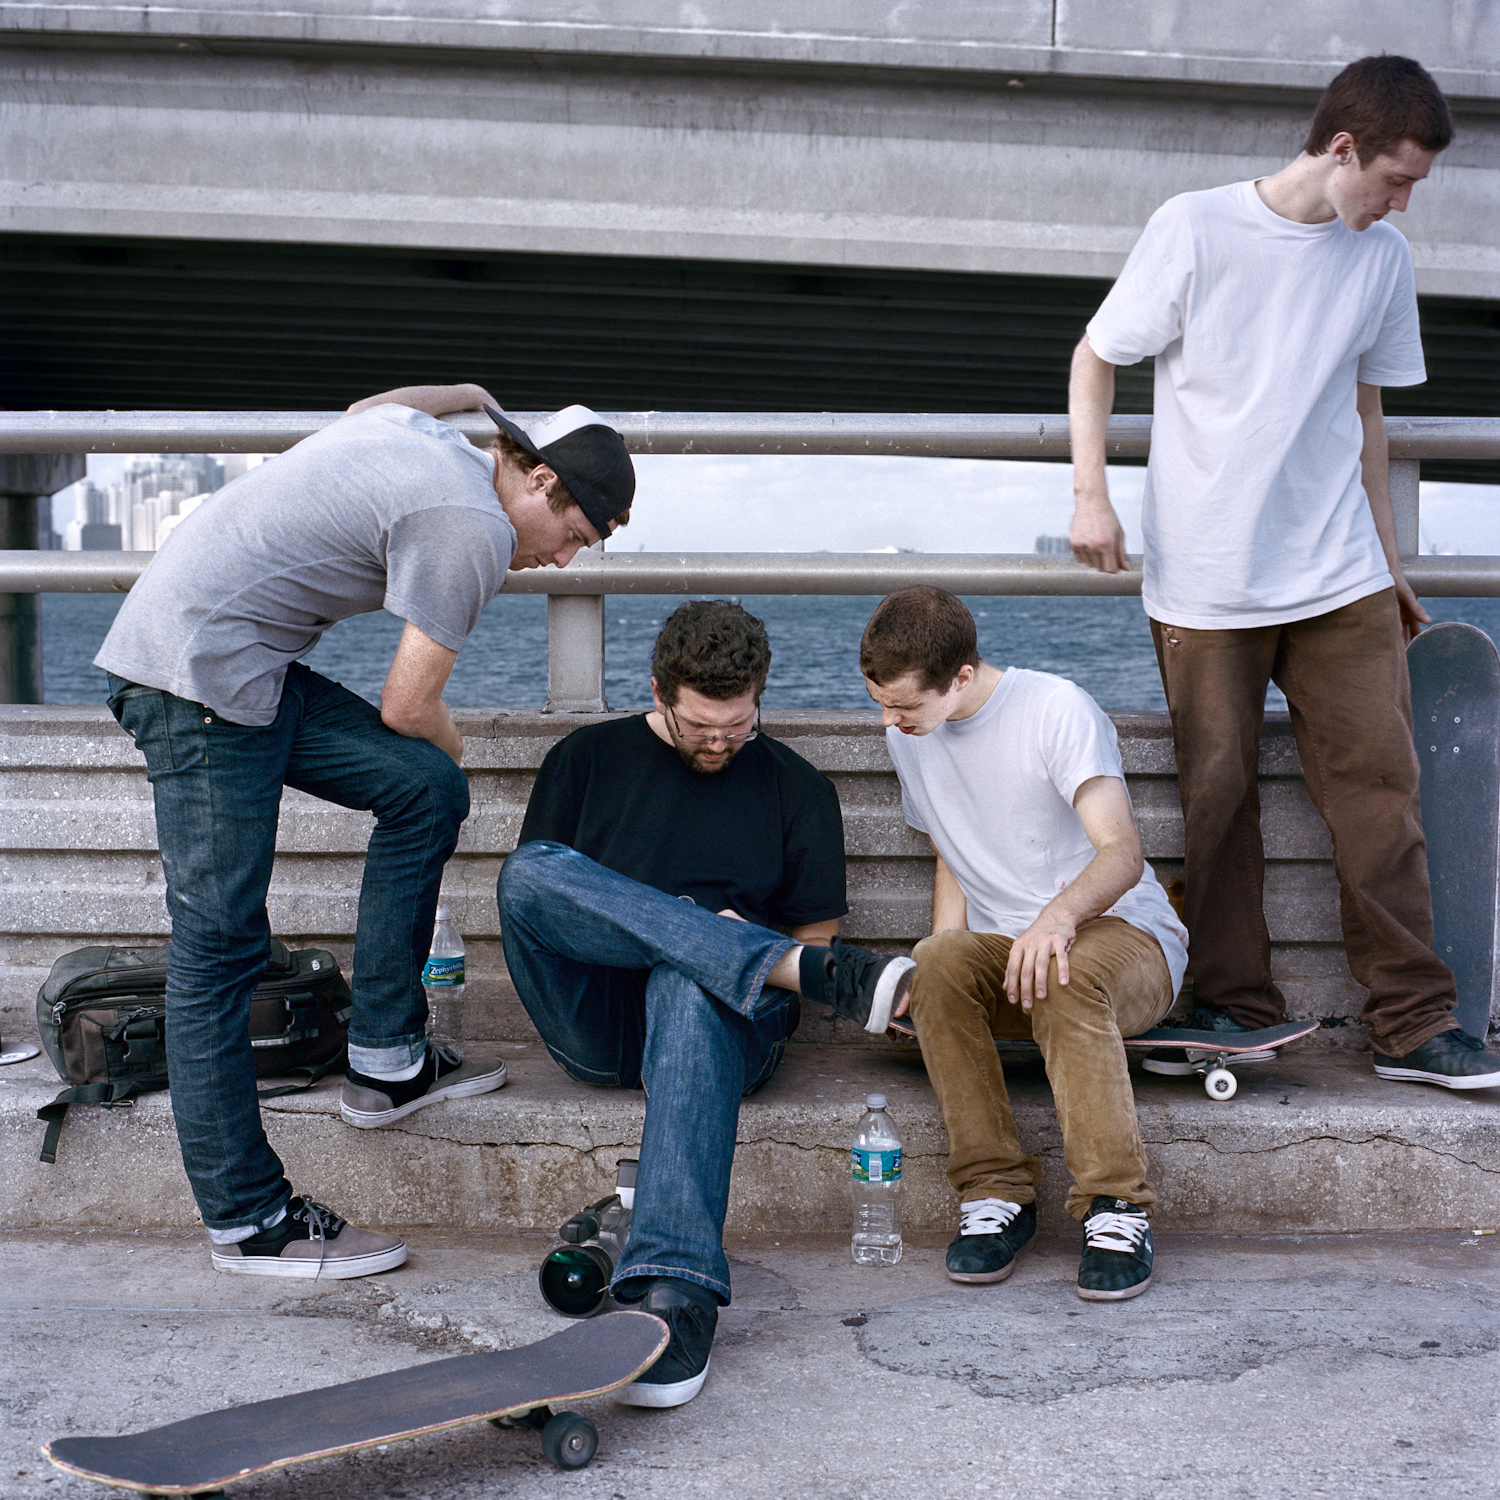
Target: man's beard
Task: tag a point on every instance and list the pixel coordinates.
(691, 757)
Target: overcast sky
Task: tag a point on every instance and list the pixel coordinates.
(783, 503)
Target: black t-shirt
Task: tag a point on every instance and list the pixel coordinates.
(763, 837)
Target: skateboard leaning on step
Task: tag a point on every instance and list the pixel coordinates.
(510, 1388)
(1455, 715)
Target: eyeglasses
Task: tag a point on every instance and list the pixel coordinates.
(711, 736)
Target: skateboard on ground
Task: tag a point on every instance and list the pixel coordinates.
(1455, 713)
(1211, 1054)
(510, 1387)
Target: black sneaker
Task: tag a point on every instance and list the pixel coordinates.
(368, 1102)
(859, 984)
(1453, 1059)
(1116, 1260)
(692, 1313)
(992, 1234)
(311, 1241)
(1174, 1062)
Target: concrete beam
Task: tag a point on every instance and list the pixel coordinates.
(1035, 172)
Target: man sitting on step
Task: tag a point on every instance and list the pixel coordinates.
(1047, 924)
(677, 884)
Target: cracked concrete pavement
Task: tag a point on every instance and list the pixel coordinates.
(1360, 1366)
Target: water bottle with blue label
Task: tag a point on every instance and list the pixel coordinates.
(875, 1167)
(443, 979)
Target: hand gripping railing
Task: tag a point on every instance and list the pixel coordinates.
(575, 614)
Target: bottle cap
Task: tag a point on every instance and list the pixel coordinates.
(874, 1101)
(442, 914)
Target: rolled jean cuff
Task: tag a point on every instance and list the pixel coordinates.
(246, 1231)
(389, 1057)
(708, 1283)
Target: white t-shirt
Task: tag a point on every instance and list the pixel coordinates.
(1254, 511)
(994, 792)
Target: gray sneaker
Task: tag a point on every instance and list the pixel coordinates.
(370, 1102)
(311, 1241)
(1453, 1059)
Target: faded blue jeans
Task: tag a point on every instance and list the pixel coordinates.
(218, 795)
(632, 988)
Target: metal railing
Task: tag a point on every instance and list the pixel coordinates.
(576, 594)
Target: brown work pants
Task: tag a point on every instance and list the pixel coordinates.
(1118, 985)
(1344, 676)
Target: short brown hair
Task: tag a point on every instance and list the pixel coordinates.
(923, 630)
(713, 646)
(558, 498)
(1381, 101)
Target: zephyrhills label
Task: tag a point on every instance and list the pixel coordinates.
(876, 1166)
(443, 973)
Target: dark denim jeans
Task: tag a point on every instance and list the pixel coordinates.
(218, 795)
(632, 988)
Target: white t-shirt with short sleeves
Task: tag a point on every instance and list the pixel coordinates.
(1254, 511)
(994, 792)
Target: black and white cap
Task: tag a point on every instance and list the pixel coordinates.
(586, 453)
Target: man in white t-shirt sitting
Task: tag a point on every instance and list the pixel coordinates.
(1047, 923)
(1276, 310)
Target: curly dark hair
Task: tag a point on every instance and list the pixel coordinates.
(714, 647)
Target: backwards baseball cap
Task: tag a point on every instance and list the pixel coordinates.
(584, 452)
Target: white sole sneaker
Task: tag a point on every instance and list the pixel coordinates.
(460, 1084)
(1443, 1080)
(329, 1268)
(679, 1393)
(894, 982)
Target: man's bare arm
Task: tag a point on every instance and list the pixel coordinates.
(411, 702)
(1096, 534)
(950, 913)
(1375, 472)
(435, 400)
(1103, 807)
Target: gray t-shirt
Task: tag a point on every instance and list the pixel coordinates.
(390, 509)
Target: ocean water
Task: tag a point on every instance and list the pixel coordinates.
(1104, 645)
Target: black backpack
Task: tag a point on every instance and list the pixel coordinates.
(101, 1015)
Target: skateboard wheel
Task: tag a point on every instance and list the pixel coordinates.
(570, 1441)
(1220, 1083)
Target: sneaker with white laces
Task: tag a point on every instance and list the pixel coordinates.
(1175, 1062)
(311, 1241)
(1452, 1059)
(992, 1233)
(1117, 1251)
(864, 986)
(369, 1102)
(691, 1313)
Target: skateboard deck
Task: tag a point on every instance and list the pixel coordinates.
(1212, 1053)
(1219, 1049)
(202, 1454)
(1455, 711)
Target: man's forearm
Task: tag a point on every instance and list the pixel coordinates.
(1091, 399)
(433, 724)
(1112, 871)
(435, 400)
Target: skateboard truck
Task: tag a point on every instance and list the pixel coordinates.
(575, 1277)
(568, 1440)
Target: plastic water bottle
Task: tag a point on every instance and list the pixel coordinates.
(443, 979)
(875, 1169)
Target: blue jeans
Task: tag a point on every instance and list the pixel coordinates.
(218, 793)
(632, 988)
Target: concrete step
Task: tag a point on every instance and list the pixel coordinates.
(1312, 1142)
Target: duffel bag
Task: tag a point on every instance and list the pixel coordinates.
(101, 1015)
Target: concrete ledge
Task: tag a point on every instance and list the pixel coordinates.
(1315, 1143)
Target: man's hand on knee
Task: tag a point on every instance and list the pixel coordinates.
(1031, 955)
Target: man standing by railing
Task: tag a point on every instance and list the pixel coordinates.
(387, 508)
(1276, 310)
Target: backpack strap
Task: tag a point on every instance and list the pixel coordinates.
(110, 1095)
(314, 1075)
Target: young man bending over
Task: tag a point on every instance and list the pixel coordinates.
(1047, 924)
(661, 860)
(391, 509)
